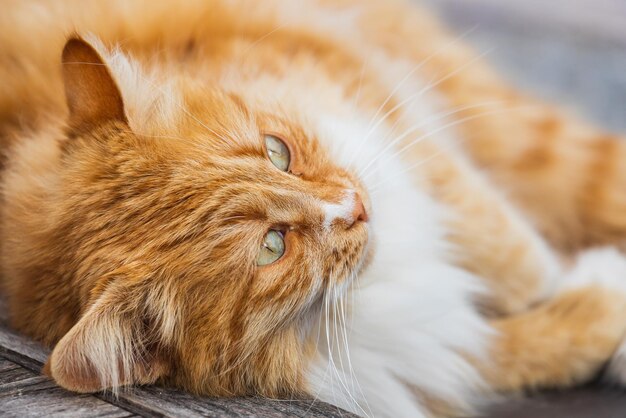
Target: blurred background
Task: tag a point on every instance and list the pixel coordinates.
(570, 51)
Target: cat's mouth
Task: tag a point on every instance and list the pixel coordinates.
(359, 257)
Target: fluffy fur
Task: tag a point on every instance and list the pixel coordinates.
(136, 192)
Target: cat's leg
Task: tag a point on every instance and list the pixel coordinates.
(565, 177)
(569, 339)
(492, 240)
(568, 176)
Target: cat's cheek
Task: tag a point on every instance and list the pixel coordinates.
(369, 252)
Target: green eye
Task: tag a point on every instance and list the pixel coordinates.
(272, 248)
(277, 152)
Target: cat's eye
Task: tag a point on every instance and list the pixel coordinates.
(272, 248)
(277, 152)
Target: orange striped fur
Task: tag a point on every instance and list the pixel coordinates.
(119, 208)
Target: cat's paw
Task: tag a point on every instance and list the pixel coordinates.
(616, 369)
(605, 268)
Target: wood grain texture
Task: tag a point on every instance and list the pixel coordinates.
(25, 393)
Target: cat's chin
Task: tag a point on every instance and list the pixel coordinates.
(339, 290)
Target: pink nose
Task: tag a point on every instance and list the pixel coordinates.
(358, 212)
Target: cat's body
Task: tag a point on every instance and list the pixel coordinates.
(416, 211)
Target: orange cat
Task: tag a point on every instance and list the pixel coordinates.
(282, 198)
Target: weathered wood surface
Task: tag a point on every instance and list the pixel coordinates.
(25, 392)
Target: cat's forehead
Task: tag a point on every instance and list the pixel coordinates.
(304, 105)
(230, 111)
(232, 124)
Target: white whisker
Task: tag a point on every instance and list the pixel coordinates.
(182, 108)
(262, 38)
(435, 131)
(376, 186)
(357, 97)
(418, 66)
(156, 136)
(354, 379)
(429, 87)
(435, 117)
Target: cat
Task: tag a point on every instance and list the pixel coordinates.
(331, 199)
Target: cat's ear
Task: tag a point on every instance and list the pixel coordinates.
(92, 95)
(114, 344)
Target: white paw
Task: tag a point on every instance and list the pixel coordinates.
(604, 267)
(616, 369)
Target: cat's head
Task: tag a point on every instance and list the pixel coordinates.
(201, 253)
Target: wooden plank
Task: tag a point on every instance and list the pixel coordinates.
(26, 382)
(6, 365)
(155, 401)
(587, 402)
(57, 403)
(11, 372)
(25, 393)
(13, 342)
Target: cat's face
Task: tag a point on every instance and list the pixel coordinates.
(221, 240)
(279, 224)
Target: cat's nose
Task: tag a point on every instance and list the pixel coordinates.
(358, 212)
(346, 213)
